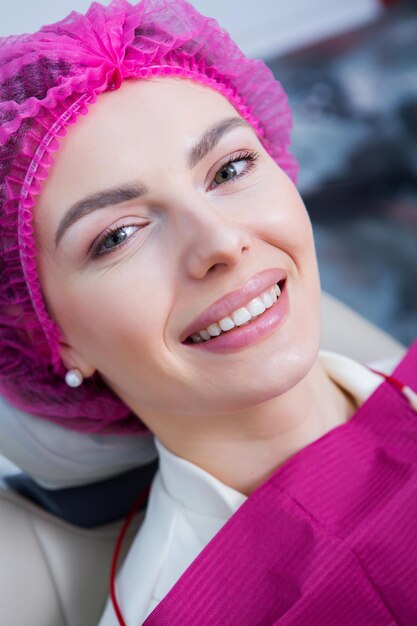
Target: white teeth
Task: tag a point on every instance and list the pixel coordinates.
(214, 329)
(225, 324)
(267, 299)
(241, 316)
(255, 307)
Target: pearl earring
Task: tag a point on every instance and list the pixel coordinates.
(74, 378)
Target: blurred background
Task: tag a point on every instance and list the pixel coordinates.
(350, 71)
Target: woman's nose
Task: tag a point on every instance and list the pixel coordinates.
(207, 236)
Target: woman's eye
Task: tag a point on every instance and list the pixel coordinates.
(113, 238)
(236, 167)
(228, 172)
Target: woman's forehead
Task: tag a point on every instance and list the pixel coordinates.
(158, 118)
(148, 108)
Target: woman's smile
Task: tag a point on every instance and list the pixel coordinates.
(240, 317)
(252, 332)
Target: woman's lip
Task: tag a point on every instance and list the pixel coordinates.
(234, 300)
(262, 327)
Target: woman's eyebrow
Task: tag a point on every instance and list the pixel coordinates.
(99, 200)
(130, 191)
(211, 138)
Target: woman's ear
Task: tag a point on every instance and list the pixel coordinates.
(72, 359)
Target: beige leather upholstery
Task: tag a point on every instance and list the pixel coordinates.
(345, 331)
(52, 573)
(55, 574)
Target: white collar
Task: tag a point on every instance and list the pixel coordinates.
(195, 488)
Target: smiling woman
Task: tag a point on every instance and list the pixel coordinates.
(159, 276)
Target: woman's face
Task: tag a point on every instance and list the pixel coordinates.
(126, 279)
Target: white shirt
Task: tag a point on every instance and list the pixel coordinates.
(187, 506)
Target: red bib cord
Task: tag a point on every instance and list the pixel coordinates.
(404, 389)
(116, 553)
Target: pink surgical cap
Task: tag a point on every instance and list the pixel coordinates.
(48, 79)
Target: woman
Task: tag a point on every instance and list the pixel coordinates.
(160, 275)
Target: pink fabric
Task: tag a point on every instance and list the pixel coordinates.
(330, 539)
(47, 80)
